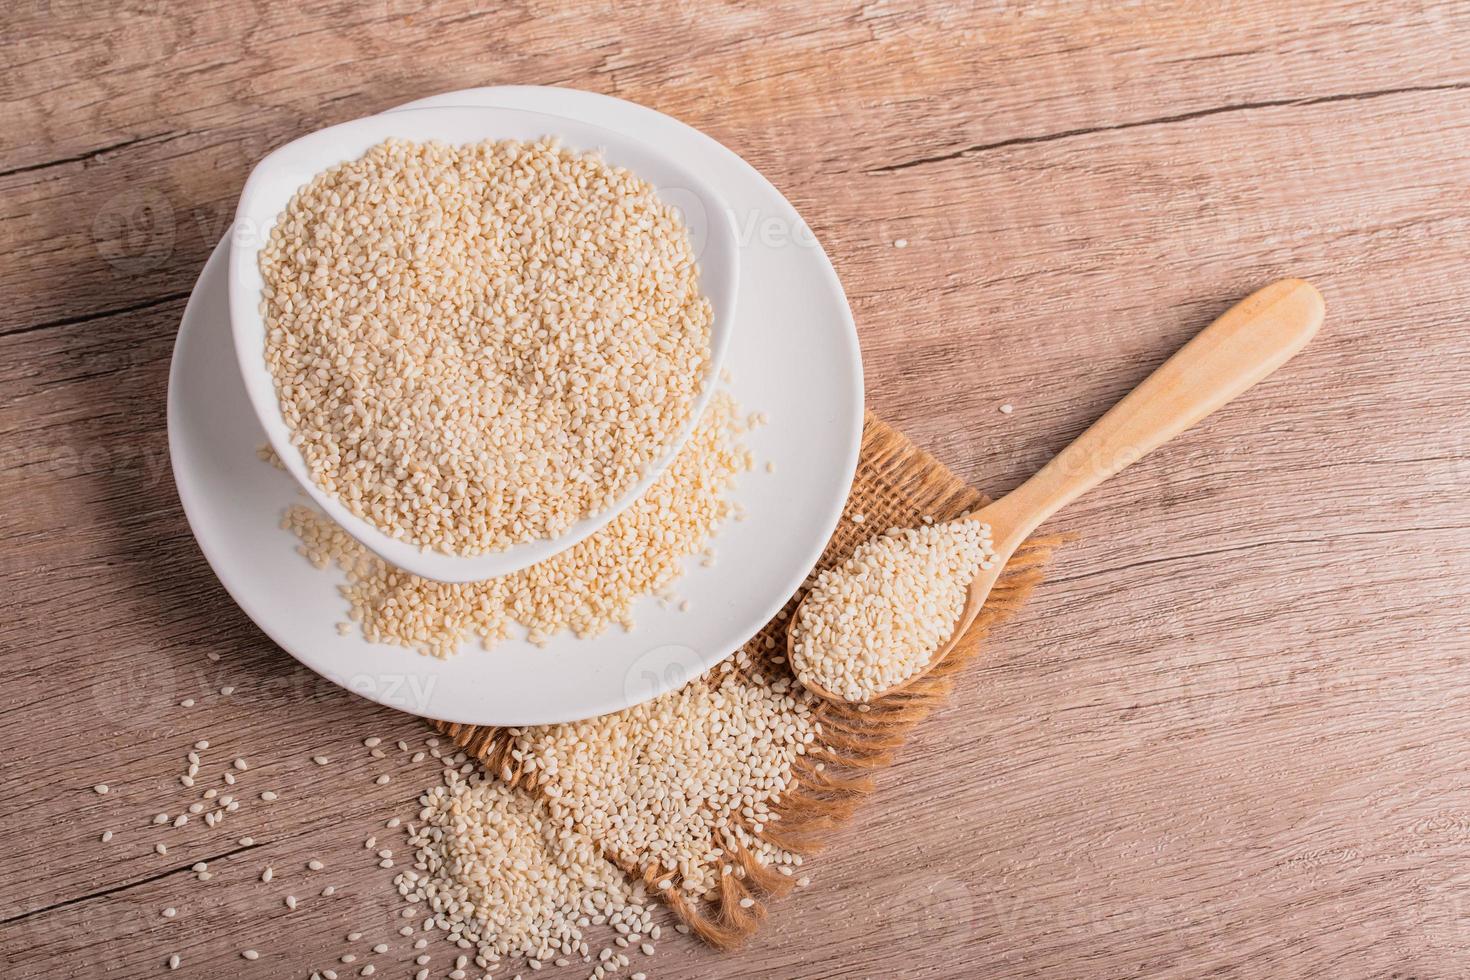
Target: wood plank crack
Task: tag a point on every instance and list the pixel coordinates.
(977, 148)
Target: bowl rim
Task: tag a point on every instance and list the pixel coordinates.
(261, 204)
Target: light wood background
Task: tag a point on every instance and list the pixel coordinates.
(1230, 736)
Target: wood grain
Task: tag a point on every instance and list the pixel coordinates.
(1229, 735)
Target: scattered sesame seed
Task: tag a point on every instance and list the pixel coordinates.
(267, 874)
(160, 848)
(320, 760)
(186, 703)
(227, 690)
(383, 780)
(106, 836)
(174, 961)
(170, 912)
(329, 891)
(100, 789)
(269, 796)
(241, 764)
(640, 552)
(1007, 408)
(291, 902)
(315, 865)
(900, 243)
(250, 954)
(247, 841)
(202, 744)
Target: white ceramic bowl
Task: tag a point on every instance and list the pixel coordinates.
(276, 178)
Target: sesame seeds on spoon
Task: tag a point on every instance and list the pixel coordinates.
(903, 601)
(876, 621)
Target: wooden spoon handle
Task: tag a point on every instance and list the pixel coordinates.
(1254, 338)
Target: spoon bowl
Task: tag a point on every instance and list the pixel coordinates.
(1250, 341)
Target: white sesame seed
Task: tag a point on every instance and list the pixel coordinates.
(250, 954)
(329, 891)
(315, 865)
(269, 796)
(227, 690)
(912, 587)
(380, 948)
(383, 779)
(186, 703)
(174, 961)
(247, 841)
(106, 836)
(344, 224)
(320, 760)
(291, 902)
(1008, 408)
(160, 848)
(241, 764)
(170, 912)
(100, 789)
(900, 243)
(267, 874)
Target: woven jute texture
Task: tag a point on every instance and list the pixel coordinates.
(896, 485)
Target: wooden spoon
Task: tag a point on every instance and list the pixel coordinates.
(1252, 339)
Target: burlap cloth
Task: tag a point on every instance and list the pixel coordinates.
(897, 484)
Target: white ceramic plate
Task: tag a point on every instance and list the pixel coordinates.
(793, 355)
(283, 172)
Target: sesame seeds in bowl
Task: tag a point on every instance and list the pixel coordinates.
(472, 339)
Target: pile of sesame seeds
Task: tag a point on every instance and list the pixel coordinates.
(876, 620)
(481, 345)
(678, 785)
(584, 589)
(499, 875)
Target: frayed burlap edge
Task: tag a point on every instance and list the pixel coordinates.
(897, 484)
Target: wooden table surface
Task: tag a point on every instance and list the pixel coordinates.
(1231, 734)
